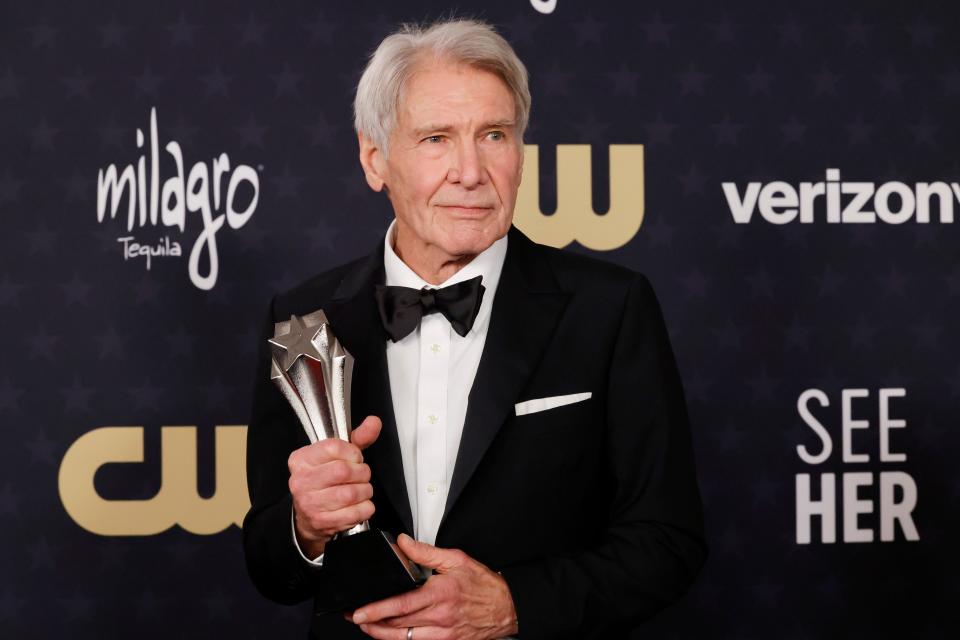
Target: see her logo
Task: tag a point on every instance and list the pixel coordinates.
(870, 500)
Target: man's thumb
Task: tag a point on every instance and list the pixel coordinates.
(424, 554)
(366, 434)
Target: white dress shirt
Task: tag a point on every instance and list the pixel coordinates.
(431, 373)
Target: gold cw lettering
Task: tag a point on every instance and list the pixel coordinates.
(176, 503)
(575, 218)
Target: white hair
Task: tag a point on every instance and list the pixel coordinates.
(460, 41)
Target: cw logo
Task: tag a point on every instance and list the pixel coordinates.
(176, 502)
(575, 218)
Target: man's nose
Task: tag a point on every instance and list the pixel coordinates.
(467, 166)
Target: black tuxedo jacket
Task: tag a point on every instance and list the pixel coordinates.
(591, 510)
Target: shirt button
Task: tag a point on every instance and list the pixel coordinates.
(432, 419)
(435, 348)
(433, 488)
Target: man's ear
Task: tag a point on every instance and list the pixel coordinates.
(372, 161)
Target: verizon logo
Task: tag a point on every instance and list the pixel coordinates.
(840, 202)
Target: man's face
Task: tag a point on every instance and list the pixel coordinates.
(455, 161)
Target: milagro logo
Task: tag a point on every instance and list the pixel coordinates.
(150, 204)
(841, 202)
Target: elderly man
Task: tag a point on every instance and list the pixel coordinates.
(526, 432)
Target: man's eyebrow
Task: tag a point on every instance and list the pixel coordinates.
(432, 128)
(446, 128)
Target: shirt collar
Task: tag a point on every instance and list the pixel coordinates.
(488, 264)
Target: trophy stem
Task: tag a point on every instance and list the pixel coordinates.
(313, 371)
(359, 528)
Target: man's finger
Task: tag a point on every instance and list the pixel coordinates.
(323, 451)
(401, 605)
(442, 610)
(330, 474)
(424, 618)
(366, 434)
(385, 632)
(338, 497)
(427, 555)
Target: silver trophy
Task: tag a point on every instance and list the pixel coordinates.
(313, 372)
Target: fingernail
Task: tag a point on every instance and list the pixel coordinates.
(359, 617)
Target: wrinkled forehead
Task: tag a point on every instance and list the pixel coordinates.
(437, 87)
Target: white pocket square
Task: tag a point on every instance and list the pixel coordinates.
(542, 404)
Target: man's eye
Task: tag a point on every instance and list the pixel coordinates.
(433, 139)
(496, 135)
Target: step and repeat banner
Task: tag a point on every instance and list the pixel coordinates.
(785, 175)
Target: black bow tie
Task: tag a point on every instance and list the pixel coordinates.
(401, 308)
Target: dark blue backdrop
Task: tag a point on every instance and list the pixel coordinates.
(758, 312)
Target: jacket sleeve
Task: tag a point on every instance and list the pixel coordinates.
(274, 563)
(653, 545)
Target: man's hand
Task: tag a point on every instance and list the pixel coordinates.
(330, 485)
(463, 599)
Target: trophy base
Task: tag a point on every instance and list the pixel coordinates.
(366, 567)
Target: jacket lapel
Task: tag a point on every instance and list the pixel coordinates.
(527, 306)
(356, 322)
(526, 309)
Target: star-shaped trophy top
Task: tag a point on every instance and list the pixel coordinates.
(298, 342)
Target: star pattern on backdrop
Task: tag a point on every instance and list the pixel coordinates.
(113, 34)
(757, 312)
(321, 30)
(182, 31)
